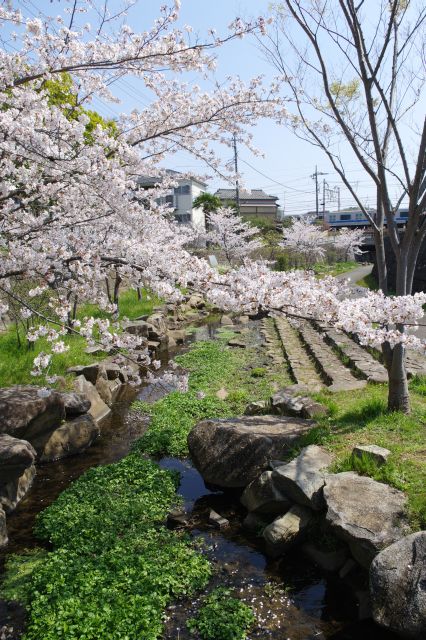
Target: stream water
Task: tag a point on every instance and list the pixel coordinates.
(291, 598)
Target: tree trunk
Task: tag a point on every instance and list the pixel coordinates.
(381, 260)
(398, 397)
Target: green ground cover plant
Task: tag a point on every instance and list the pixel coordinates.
(115, 566)
(222, 617)
(212, 366)
(17, 361)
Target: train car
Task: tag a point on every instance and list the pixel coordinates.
(356, 218)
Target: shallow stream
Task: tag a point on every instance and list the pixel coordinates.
(291, 598)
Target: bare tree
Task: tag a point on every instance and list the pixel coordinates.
(356, 72)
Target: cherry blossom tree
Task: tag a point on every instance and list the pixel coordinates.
(306, 239)
(349, 241)
(236, 237)
(356, 75)
(70, 208)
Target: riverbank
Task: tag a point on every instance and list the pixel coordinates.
(121, 512)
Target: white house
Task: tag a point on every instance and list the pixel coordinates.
(180, 198)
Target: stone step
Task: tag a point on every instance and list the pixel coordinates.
(360, 359)
(273, 345)
(301, 365)
(338, 376)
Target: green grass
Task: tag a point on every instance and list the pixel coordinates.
(213, 366)
(369, 282)
(114, 567)
(16, 362)
(334, 269)
(222, 617)
(361, 417)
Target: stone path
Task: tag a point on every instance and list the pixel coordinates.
(360, 359)
(336, 373)
(301, 365)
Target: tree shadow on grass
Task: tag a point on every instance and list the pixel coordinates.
(359, 417)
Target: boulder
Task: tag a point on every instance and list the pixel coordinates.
(233, 452)
(254, 523)
(90, 371)
(15, 457)
(398, 586)
(285, 530)
(158, 324)
(367, 514)
(303, 479)
(256, 408)
(3, 529)
(372, 451)
(108, 389)
(75, 404)
(13, 492)
(98, 409)
(226, 320)
(27, 413)
(137, 328)
(70, 438)
(178, 336)
(262, 496)
(287, 403)
(196, 302)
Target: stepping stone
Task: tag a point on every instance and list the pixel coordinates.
(301, 365)
(361, 360)
(372, 451)
(339, 377)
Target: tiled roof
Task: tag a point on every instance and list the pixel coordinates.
(254, 194)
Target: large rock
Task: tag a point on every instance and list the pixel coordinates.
(70, 438)
(290, 404)
(13, 492)
(98, 409)
(398, 586)
(285, 530)
(29, 414)
(158, 324)
(262, 496)
(3, 529)
(138, 328)
(232, 453)
(89, 371)
(303, 479)
(75, 404)
(15, 456)
(369, 515)
(108, 389)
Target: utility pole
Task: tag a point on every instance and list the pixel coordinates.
(237, 186)
(314, 176)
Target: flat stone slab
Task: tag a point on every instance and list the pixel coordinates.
(367, 514)
(372, 451)
(398, 586)
(285, 530)
(234, 452)
(303, 479)
(301, 365)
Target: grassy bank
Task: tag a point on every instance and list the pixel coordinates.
(361, 417)
(16, 361)
(215, 370)
(114, 567)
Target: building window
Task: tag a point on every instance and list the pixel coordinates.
(184, 190)
(345, 216)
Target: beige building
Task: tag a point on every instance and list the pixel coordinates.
(252, 203)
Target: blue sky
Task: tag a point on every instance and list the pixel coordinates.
(289, 162)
